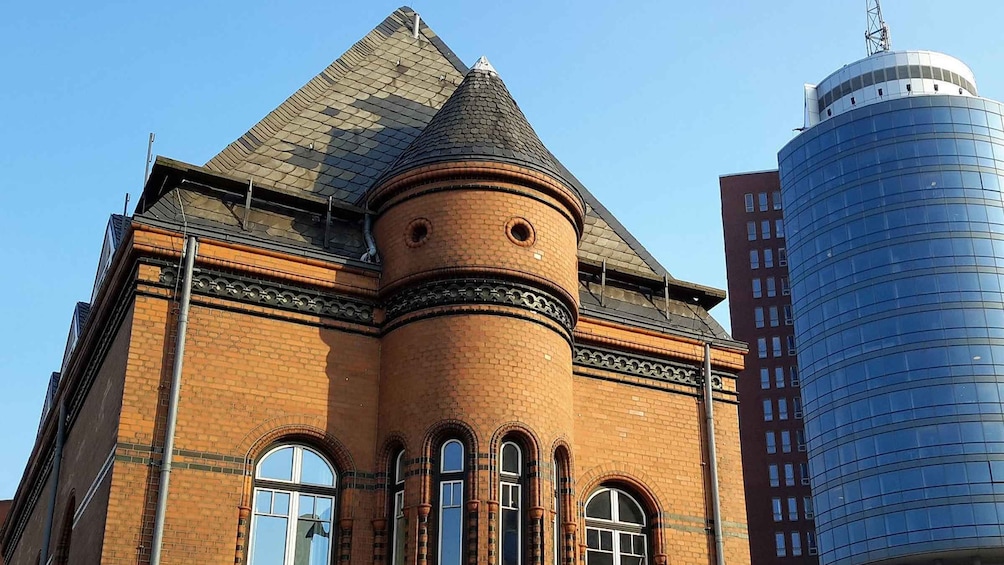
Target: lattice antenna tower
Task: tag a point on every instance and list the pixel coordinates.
(877, 33)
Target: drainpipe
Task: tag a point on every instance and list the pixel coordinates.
(709, 414)
(57, 458)
(371, 254)
(191, 248)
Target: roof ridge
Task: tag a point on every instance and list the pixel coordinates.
(274, 121)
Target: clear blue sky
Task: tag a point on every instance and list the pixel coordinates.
(647, 102)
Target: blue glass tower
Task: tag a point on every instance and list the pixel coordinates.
(895, 229)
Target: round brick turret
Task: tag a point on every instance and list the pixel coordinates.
(477, 229)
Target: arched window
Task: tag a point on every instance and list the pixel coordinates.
(294, 506)
(62, 555)
(558, 479)
(398, 525)
(511, 509)
(615, 529)
(451, 503)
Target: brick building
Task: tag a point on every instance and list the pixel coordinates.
(386, 326)
(779, 504)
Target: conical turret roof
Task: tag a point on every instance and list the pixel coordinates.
(480, 121)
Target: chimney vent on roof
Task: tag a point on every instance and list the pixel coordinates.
(418, 20)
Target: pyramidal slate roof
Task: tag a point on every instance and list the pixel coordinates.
(348, 125)
(480, 121)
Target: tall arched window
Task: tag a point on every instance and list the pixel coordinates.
(511, 506)
(451, 503)
(558, 479)
(294, 506)
(398, 525)
(615, 529)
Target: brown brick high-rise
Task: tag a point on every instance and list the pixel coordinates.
(413, 337)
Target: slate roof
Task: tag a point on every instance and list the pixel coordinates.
(480, 121)
(335, 135)
(377, 109)
(339, 132)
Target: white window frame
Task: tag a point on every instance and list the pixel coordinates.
(292, 487)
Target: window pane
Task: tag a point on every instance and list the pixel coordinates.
(453, 457)
(764, 378)
(510, 537)
(268, 540)
(762, 197)
(598, 558)
(629, 510)
(280, 504)
(751, 231)
(599, 506)
(749, 202)
(400, 524)
(278, 465)
(315, 471)
(765, 229)
(313, 533)
(510, 458)
(451, 517)
(263, 502)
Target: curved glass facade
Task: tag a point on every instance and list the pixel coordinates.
(895, 232)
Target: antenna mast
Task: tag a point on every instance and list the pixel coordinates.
(877, 33)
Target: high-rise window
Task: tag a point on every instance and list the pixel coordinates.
(761, 347)
(788, 320)
(778, 377)
(772, 476)
(768, 258)
(751, 231)
(810, 542)
(451, 503)
(294, 497)
(789, 475)
(764, 378)
(758, 317)
(511, 504)
(773, 317)
(785, 286)
(800, 439)
(779, 228)
(782, 408)
(807, 507)
(794, 375)
(796, 544)
(754, 259)
(776, 345)
(762, 198)
(803, 473)
(771, 442)
(765, 228)
(757, 289)
(796, 406)
(777, 199)
(779, 544)
(768, 410)
(791, 345)
(785, 441)
(749, 202)
(771, 288)
(792, 509)
(775, 504)
(782, 256)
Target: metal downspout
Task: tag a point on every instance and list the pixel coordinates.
(57, 458)
(191, 247)
(709, 414)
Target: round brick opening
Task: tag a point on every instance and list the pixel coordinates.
(520, 232)
(417, 232)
